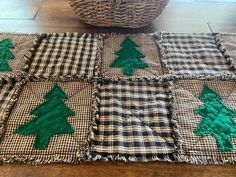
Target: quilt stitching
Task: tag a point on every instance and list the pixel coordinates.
(71, 55)
(151, 58)
(36, 157)
(188, 54)
(199, 148)
(131, 114)
(146, 117)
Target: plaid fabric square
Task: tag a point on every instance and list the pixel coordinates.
(66, 148)
(65, 55)
(23, 44)
(8, 93)
(147, 46)
(192, 54)
(134, 122)
(194, 148)
(227, 43)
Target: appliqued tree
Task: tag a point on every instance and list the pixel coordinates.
(128, 57)
(218, 120)
(51, 119)
(6, 54)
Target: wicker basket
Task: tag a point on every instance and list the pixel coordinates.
(122, 13)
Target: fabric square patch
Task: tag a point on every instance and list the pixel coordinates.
(199, 103)
(227, 44)
(8, 95)
(134, 122)
(23, 43)
(66, 55)
(146, 45)
(192, 54)
(36, 102)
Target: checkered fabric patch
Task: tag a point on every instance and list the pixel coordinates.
(8, 93)
(193, 54)
(229, 46)
(62, 148)
(135, 119)
(65, 55)
(201, 149)
(147, 46)
(23, 43)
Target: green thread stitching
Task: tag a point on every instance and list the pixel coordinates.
(128, 57)
(51, 119)
(6, 54)
(217, 120)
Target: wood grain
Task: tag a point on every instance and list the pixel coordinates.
(223, 27)
(102, 169)
(19, 9)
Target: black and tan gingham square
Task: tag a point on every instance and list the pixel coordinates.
(135, 119)
(23, 43)
(186, 94)
(195, 54)
(8, 94)
(147, 46)
(61, 148)
(65, 55)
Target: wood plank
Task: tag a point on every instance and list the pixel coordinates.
(76, 26)
(190, 11)
(101, 169)
(19, 9)
(217, 1)
(221, 27)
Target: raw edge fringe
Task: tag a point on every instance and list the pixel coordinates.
(221, 77)
(15, 74)
(216, 36)
(97, 68)
(176, 134)
(94, 156)
(130, 158)
(81, 152)
(9, 77)
(137, 78)
(224, 51)
(175, 157)
(40, 159)
(197, 159)
(29, 159)
(13, 99)
(19, 33)
(171, 77)
(19, 81)
(159, 37)
(93, 124)
(109, 35)
(30, 55)
(206, 160)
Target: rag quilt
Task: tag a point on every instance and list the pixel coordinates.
(71, 97)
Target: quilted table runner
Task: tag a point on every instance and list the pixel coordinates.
(70, 97)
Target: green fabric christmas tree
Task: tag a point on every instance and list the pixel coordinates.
(218, 120)
(128, 57)
(6, 54)
(51, 119)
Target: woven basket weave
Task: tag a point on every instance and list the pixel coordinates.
(122, 13)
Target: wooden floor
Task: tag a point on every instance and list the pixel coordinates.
(57, 16)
